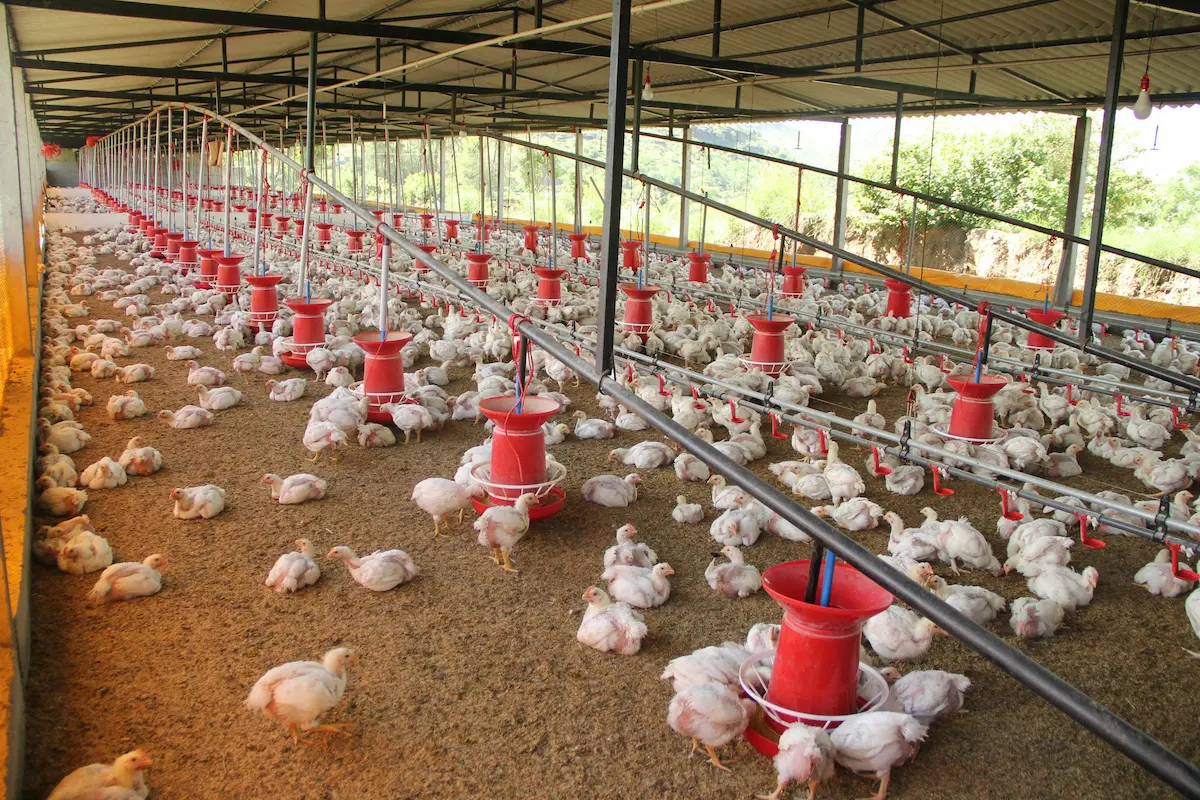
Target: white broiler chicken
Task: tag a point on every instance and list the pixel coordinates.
(960, 543)
(500, 527)
(690, 468)
(686, 513)
(805, 756)
(440, 498)
(611, 491)
(59, 501)
(712, 715)
(187, 417)
(735, 578)
(1063, 585)
(139, 458)
(628, 550)
(381, 571)
(610, 627)
(121, 780)
(85, 552)
(976, 603)
(198, 502)
(294, 489)
(855, 514)
(322, 436)
(218, 398)
(293, 571)
(128, 405)
(1157, 577)
(204, 376)
(409, 417)
(129, 579)
(898, 634)
(299, 692)
(104, 474)
(594, 428)
(714, 664)
(644, 455)
(1032, 618)
(928, 695)
(286, 391)
(372, 434)
(876, 742)
(844, 481)
(640, 587)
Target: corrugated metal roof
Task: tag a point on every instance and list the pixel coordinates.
(924, 47)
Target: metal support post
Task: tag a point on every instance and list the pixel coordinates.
(1064, 285)
(685, 182)
(610, 236)
(1112, 91)
(842, 201)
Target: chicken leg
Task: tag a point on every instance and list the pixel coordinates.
(884, 780)
(340, 728)
(715, 760)
(316, 456)
(496, 556)
(507, 565)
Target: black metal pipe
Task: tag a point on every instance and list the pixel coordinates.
(614, 178)
(310, 113)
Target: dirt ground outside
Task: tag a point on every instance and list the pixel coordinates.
(471, 682)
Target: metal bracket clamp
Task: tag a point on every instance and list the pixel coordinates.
(904, 437)
(1160, 518)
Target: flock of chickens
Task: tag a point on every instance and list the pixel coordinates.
(1046, 433)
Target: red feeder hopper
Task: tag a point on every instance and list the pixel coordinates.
(767, 351)
(299, 227)
(229, 274)
(324, 236)
(698, 264)
(134, 217)
(452, 230)
(974, 410)
(218, 205)
(187, 256)
(251, 217)
(308, 330)
(426, 222)
(173, 241)
(337, 208)
(266, 220)
(160, 238)
(281, 226)
(477, 268)
(264, 300)
(208, 268)
(356, 238)
(322, 205)
(899, 299)
(639, 310)
(485, 232)
(418, 264)
(793, 281)
(816, 663)
(549, 286)
(383, 371)
(577, 248)
(630, 257)
(531, 238)
(1050, 318)
(518, 464)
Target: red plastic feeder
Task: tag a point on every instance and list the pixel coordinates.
(531, 237)
(816, 663)
(337, 208)
(477, 268)
(208, 268)
(187, 256)
(426, 222)
(899, 299)
(1050, 318)
(418, 264)
(322, 205)
(698, 264)
(229, 274)
(793, 281)
(308, 330)
(299, 227)
(218, 205)
(264, 300)
(452, 230)
(577, 242)
(630, 255)
(356, 238)
(485, 232)
(324, 236)
(251, 217)
(281, 226)
(518, 464)
(160, 238)
(549, 286)
(974, 410)
(767, 351)
(639, 310)
(383, 371)
(266, 220)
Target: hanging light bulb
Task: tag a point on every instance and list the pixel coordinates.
(647, 89)
(1142, 107)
